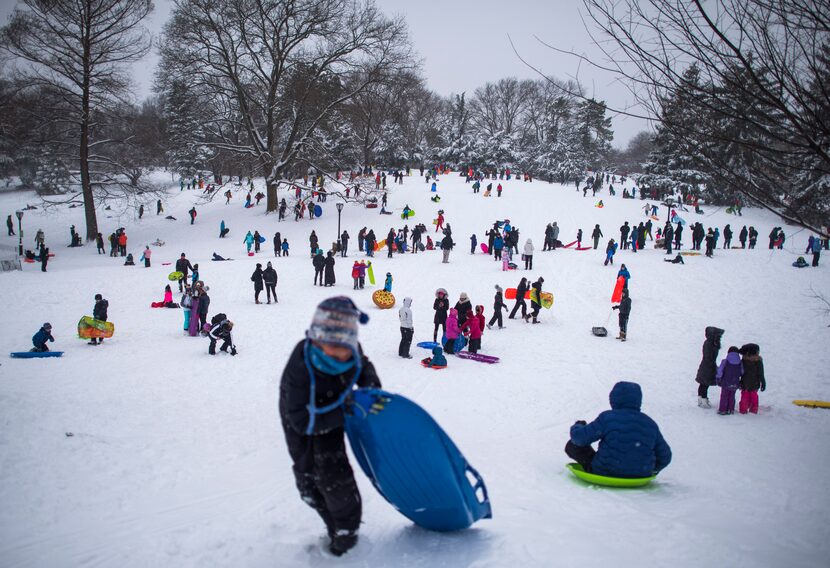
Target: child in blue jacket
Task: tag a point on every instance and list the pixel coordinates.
(630, 443)
(387, 285)
(39, 339)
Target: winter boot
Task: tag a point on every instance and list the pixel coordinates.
(622, 336)
(92, 341)
(703, 402)
(342, 542)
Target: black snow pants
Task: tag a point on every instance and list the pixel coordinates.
(324, 477)
(519, 302)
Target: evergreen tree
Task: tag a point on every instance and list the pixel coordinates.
(186, 154)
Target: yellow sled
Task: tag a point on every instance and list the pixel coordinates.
(812, 403)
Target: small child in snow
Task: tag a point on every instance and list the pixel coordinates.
(285, 247)
(437, 359)
(728, 378)
(473, 243)
(753, 378)
(387, 285)
(40, 338)
(362, 274)
(356, 274)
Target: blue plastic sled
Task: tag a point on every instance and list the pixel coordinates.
(318, 211)
(35, 354)
(413, 463)
(428, 345)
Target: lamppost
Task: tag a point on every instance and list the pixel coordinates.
(20, 231)
(339, 211)
(669, 203)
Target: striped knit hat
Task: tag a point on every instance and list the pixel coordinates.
(335, 321)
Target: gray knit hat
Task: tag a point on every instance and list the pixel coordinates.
(335, 321)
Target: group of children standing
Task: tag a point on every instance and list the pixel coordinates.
(742, 368)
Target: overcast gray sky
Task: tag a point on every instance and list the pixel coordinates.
(464, 44)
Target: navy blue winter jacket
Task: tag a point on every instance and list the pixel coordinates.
(630, 443)
(41, 337)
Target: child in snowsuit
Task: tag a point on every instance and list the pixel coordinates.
(630, 443)
(472, 326)
(362, 274)
(728, 379)
(707, 369)
(610, 250)
(319, 376)
(437, 359)
(387, 285)
(452, 331)
(473, 243)
(99, 312)
(753, 379)
(187, 303)
(356, 275)
(222, 330)
(285, 247)
(40, 338)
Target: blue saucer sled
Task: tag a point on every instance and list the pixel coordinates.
(413, 463)
(35, 354)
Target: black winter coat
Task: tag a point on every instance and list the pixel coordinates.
(498, 303)
(99, 312)
(463, 308)
(441, 307)
(319, 262)
(329, 274)
(183, 265)
(295, 392)
(204, 303)
(753, 378)
(708, 366)
(256, 278)
(538, 287)
(269, 276)
(625, 307)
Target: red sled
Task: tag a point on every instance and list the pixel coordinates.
(583, 248)
(485, 249)
(426, 363)
(510, 294)
(569, 245)
(616, 296)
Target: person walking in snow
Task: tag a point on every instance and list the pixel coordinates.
(473, 243)
(407, 328)
(192, 214)
(498, 306)
(248, 241)
(257, 241)
(596, 234)
(146, 256)
(319, 376)
(313, 243)
(624, 230)
(610, 250)
(183, 266)
(344, 243)
(535, 300)
(579, 238)
(446, 246)
(521, 290)
(707, 370)
(625, 310)
(10, 225)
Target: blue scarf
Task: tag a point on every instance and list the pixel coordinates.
(329, 365)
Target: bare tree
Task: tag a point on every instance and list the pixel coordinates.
(79, 49)
(764, 71)
(278, 68)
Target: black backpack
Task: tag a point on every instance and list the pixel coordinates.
(218, 318)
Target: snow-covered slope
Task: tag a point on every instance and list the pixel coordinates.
(177, 458)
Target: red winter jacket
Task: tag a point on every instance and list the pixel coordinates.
(473, 325)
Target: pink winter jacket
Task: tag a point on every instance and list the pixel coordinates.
(452, 324)
(473, 324)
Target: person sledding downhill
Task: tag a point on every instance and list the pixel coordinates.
(630, 442)
(318, 378)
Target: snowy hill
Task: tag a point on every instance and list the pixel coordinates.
(177, 458)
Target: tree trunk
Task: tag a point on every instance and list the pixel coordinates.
(271, 201)
(89, 200)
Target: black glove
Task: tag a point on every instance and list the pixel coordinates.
(581, 423)
(763, 387)
(615, 307)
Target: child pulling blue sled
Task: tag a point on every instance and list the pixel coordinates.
(413, 463)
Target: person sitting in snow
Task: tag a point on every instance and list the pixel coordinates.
(630, 443)
(317, 380)
(40, 338)
(437, 359)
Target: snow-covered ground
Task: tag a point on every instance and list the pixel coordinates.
(178, 459)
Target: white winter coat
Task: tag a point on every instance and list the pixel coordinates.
(528, 250)
(405, 314)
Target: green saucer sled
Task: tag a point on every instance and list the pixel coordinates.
(577, 470)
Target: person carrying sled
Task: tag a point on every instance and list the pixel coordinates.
(99, 312)
(318, 379)
(221, 330)
(535, 300)
(630, 442)
(183, 266)
(40, 338)
(521, 290)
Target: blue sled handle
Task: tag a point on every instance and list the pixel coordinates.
(485, 512)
